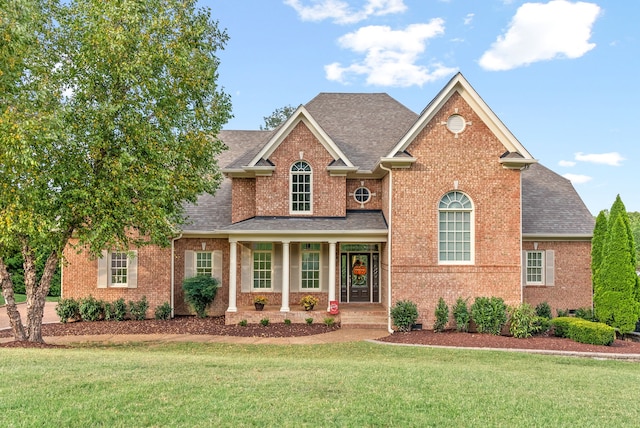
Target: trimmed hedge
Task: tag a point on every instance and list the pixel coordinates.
(583, 331)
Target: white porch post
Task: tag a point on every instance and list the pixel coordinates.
(332, 273)
(285, 277)
(233, 264)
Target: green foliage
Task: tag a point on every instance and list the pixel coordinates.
(119, 310)
(584, 331)
(523, 321)
(138, 310)
(442, 316)
(68, 309)
(199, 292)
(163, 312)
(544, 310)
(309, 321)
(634, 222)
(287, 321)
(243, 323)
(597, 246)
(91, 309)
(489, 314)
(404, 314)
(264, 321)
(461, 314)
(329, 322)
(279, 115)
(586, 314)
(562, 312)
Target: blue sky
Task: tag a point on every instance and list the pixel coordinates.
(562, 75)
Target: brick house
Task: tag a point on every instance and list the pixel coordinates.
(358, 200)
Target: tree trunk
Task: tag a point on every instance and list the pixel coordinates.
(12, 310)
(35, 312)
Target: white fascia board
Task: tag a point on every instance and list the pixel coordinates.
(310, 235)
(300, 115)
(557, 237)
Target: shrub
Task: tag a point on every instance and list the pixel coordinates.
(163, 312)
(68, 309)
(91, 309)
(442, 316)
(309, 320)
(109, 313)
(243, 323)
(461, 314)
(119, 310)
(329, 322)
(404, 314)
(583, 331)
(489, 314)
(287, 321)
(523, 321)
(562, 313)
(199, 292)
(138, 310)
(264, 321)
(586, 314)
(544, 310)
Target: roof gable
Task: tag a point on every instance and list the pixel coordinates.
(458, 84)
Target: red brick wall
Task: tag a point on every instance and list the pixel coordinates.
(374, 186)
(572, 287)
(471, 160)
(221, 301)
(80, 278)
(243, 197)
(272, 193)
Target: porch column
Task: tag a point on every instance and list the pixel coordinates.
(233, 262)
(332, 273)
(285, 277)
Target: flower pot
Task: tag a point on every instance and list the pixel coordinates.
(309, 307)
(259, 306)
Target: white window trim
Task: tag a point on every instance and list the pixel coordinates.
(319, 252)
(253, 270)
(548, 268)
(291, 174)
(191, 263)
(105, 269)
(472, 231)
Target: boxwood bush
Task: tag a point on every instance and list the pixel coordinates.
(489, 314)
(583, 331)
(404, 314)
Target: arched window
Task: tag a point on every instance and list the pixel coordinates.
(301, 185)
(455, 229)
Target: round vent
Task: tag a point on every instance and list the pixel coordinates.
(456, 123)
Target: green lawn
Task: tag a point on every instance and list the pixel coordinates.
(23, 298)
(345, 385)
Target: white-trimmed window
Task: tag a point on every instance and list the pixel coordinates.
(118, 269)
(539, 267)
(262, 265)
(208, 263)
(455, 229)
(301, 185)
(310, 266)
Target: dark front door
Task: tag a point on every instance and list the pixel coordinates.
(360, 277)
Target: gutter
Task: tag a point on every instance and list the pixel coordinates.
(389, 329)
(173, 276)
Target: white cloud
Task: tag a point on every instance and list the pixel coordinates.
(612, 159)
(390, 55)
(567, 163)
(540, 32)
(577, 178)
(342, 13)
(469, 18)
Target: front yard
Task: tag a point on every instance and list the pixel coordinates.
(351, 384)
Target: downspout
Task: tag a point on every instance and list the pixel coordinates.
(389, 248)
(173, 269)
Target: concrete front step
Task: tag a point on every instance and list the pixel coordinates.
(363, 319)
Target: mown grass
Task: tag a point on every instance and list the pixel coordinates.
(23, 298)
(357, 384)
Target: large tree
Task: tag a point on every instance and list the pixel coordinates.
(119, 130)
(279, 116)
(597, 246)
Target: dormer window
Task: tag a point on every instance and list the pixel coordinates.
(301, 185)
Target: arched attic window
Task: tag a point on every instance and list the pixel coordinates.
(455, 229)
(301, 179)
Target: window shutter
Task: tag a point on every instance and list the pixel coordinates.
(524, 268)
(549, 267)
(324, 267)
(189, 264)
(132, 270)
(103, 270)
(276, 281)
(246, 270)
(217, 266)
(294, 266)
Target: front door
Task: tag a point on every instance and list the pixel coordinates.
(360, 275)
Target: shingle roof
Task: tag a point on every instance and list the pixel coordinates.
(353, 222)
(551, 206)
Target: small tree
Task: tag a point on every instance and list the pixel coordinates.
(404, 314)
(461, 314)
(442, 316)
(597, 246)
(199, 293)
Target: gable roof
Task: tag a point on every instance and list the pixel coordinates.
(551, 207)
